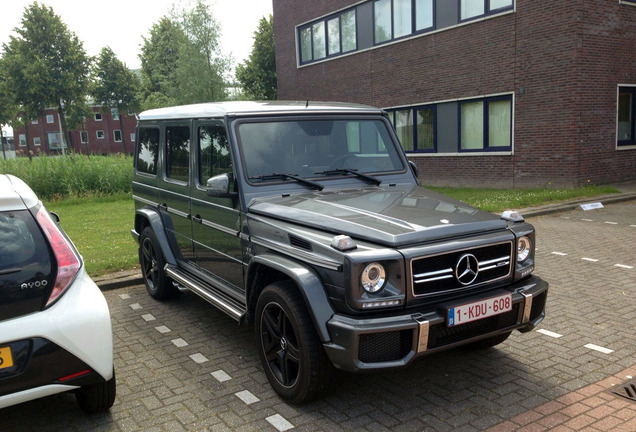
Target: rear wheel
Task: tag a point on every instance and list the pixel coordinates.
(152, 265)
(97, 398)
(291, 352)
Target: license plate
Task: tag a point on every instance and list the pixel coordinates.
(480, 309)
(6, 359)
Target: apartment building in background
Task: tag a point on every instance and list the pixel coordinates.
(100, 133)
(488, 93)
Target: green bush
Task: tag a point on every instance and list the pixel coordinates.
(59, 177)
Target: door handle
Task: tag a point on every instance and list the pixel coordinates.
(197, 218)
(163, 206)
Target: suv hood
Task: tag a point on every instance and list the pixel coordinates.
(393, 216)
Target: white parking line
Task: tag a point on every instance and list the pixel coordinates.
(599, 349)
(148, 317)
(221, 375)
(179, 342)
(623, 266)
(611, 223)
(163, 329)
(559, 253)
(198, 358)
(279, 422)
(247, 397)
(589, 259)
(588, 220)
(549, 333)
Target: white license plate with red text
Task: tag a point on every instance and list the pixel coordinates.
(479, 309)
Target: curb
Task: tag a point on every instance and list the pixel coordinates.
(119, 280)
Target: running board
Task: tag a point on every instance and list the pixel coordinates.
(207, 292)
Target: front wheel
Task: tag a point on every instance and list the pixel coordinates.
(291, 352)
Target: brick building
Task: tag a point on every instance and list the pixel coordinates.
(99, 134)
(509, 93)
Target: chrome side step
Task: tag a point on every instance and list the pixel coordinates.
(209, 293)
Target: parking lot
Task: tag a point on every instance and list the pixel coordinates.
(183, 365)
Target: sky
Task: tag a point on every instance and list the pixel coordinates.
(120, 24)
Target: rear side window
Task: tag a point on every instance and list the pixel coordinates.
(148, 150)
(178, 153)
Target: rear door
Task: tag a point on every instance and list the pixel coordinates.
(174, 203)
(216, 221)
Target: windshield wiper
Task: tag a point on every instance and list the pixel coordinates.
(282, 176)
(355, 172)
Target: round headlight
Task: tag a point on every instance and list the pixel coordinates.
(373, 277)
(524, 247)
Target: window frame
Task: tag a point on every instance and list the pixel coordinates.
(98, 133)
(115, 131)
(414, 29)
(156, 130)
(50, 119)
(485, 124)
(98, 116)
(169, 174)
(487, 10)
(414, 110)
(325, 23)
(628, 89)
(37, 141)
(82, 135)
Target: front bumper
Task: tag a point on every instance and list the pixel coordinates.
(380, 343)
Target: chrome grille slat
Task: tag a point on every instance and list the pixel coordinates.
(435, 274)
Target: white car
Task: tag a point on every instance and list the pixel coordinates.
(55, 328)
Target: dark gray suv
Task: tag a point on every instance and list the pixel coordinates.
(307, 220)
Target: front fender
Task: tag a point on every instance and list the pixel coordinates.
(150, 217)
(309, 285)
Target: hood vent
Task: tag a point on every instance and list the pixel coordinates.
(299, 243)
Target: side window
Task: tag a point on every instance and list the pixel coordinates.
(178, 153)
(147, 150)
(214, 152)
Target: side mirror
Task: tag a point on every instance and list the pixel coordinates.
(413, 167)
(219, 186)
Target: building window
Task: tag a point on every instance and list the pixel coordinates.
(626, 116)
(49, 118)
(98, 116)
(84, 137)
(55, 141)
(485, 124)
(34, 122)
(36, 141)
(328, 37)
(117, 135)
(132, 137)
(114, 113)
(22, 139)
(393, 19)
(100, 134)
(469, 9)
(415, 128)
(382, 21)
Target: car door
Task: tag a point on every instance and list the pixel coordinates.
(174, 203)
(216, 221)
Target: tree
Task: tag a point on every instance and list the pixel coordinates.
(258, 74)
(181, 60)
(115, 86)
(8, 108)
(46, 64)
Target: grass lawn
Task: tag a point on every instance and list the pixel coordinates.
(100, 226)
(100, 229)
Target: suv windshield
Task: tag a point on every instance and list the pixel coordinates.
(316, 148)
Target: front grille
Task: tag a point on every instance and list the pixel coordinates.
(437, 273)
(386, 346)
(440, 335)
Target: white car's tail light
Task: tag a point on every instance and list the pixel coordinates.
(68, 264)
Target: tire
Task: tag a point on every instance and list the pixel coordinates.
(489, 342)
(97, 398)
(152, 265)
(291, 352)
